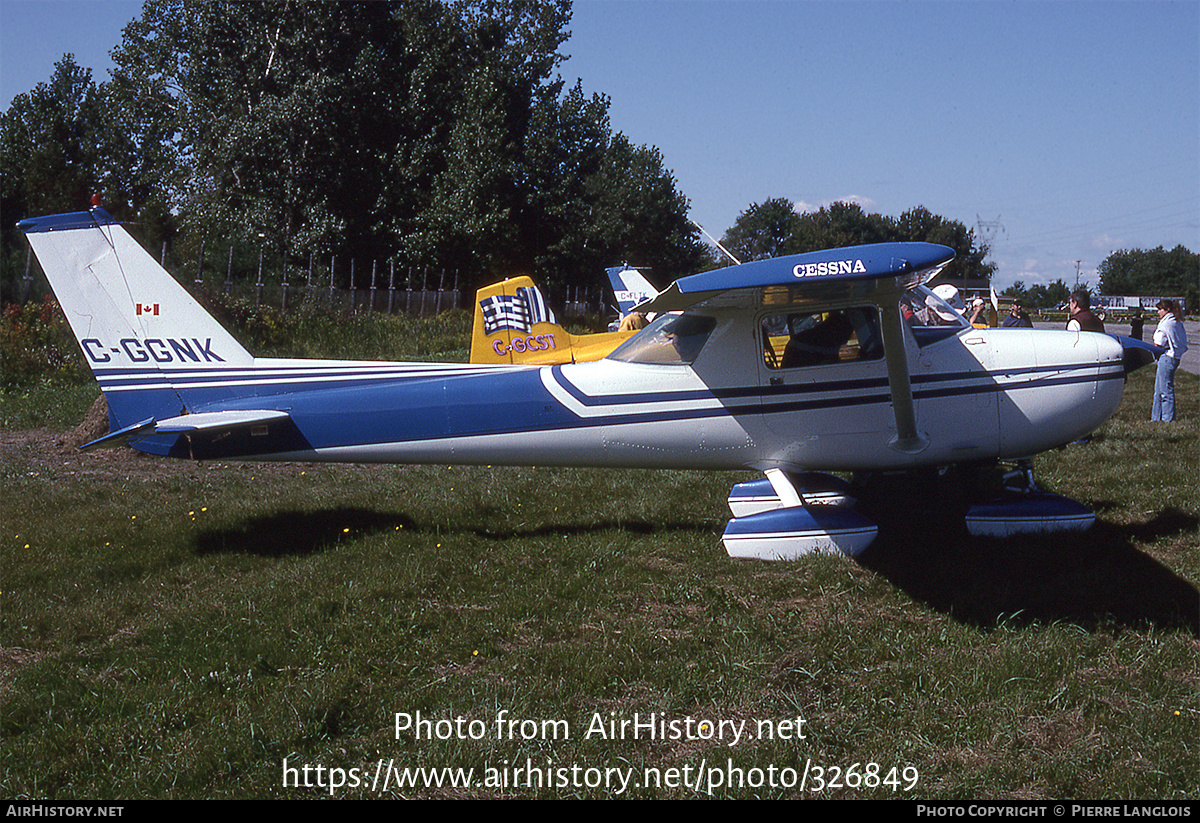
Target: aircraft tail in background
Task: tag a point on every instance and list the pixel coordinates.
(513, 325)
(629, 287)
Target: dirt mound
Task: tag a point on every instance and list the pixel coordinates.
(94, 425)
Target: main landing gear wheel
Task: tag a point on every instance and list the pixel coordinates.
(1023, 508)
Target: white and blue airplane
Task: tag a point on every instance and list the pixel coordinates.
(796, 367)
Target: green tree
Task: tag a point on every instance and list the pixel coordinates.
(1155, 272)
(59, 144)
(767, 229)
(1039, 295)
(436, 132)
(773, 228)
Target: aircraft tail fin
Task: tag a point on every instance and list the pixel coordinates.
(143, 335)
(629, 287)
(514, 325)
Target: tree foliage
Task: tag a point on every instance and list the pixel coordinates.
(59, 144)
(1040, 295)
(1155, 272)
(774, 227)
(439, 133)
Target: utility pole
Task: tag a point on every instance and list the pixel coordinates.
(989, 229)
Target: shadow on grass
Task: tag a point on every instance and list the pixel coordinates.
(1096, 578)
(295, 534)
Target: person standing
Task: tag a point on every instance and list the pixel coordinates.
(1082, 318)
(1170, 336)
(1017, 318)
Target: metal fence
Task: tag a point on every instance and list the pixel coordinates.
(373, 286)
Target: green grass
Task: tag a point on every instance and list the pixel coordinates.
(172, 629)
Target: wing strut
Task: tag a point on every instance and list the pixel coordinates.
(907, 440)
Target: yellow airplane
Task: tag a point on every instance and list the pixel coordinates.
(513, 325)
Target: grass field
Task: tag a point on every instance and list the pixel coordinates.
(183, 630)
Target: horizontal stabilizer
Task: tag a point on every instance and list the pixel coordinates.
(121, 437)
(214, 421)
(189, 424)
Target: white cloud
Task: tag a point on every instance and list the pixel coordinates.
(1106, 243)
(803, 206)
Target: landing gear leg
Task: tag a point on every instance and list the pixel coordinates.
(1020, 479)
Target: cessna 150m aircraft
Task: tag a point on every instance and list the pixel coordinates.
(793, 366)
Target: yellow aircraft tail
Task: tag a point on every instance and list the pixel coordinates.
(514, 325)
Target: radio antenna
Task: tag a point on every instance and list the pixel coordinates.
(718, 245)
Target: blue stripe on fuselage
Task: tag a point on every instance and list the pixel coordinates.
(413, 409)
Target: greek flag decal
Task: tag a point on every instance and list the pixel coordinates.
(517, 312)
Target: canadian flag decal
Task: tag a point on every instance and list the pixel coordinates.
(146, 308)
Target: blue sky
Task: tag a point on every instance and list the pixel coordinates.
(1072, 128)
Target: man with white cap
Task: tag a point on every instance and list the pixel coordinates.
(947, 310)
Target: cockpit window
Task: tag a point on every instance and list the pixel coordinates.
(671, 339)
(821, 338)
(930, 317)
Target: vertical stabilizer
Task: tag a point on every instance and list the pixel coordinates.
(140, 331)
(629, 287)
(514, 325)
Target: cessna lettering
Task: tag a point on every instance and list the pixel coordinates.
(830, 267)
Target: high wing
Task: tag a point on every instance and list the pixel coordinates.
(879, 273)
(854, 272)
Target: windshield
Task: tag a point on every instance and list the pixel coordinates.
(924, 308)
(673, 339)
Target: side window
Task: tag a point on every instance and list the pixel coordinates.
(799, 339)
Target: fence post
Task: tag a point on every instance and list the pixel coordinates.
(332, 265)
(258, 285)
(391, 286)
(28, 280)
(284, 285)
(200, 264)
(374, 269)
(308, 292)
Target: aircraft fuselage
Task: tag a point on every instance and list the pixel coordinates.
(983, 394)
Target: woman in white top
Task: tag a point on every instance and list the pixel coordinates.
(1170, 336)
